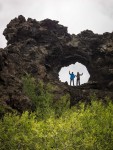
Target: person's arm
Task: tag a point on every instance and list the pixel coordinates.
(69, 72)
(81, 74)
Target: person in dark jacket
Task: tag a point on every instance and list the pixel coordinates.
(78, 78)
(72, 76)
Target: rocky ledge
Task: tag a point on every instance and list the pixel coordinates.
(42, 48)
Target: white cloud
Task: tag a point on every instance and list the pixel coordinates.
(106, 7)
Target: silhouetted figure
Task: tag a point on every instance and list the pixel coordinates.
(78, 78)
(72, 76)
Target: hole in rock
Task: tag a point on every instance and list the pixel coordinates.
(77, 67)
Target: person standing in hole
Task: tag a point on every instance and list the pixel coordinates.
(72, 76)
(78, 78)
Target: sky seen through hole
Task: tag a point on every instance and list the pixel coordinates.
(77, 67)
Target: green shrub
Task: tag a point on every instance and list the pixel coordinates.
(17, 133)
(29, 88)
(40, 96)
(44, 102)
(62, 105)
(75, 129)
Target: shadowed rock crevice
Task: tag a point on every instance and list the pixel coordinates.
(42, 48)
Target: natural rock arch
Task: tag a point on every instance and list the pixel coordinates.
(76, 67)
(43, 48)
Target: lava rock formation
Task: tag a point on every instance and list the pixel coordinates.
(42, 48)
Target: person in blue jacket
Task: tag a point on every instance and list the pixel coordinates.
(72, 76)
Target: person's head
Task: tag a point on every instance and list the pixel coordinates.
(72, 72)
(77, 72)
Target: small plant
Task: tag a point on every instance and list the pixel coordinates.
(40, 96)
(29, 88)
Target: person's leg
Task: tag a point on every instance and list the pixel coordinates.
(70, 81)
(76, 82)
(73, 82)
(79, 82)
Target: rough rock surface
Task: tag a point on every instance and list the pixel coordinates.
(42, 49)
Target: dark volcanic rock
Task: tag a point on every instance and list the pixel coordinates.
(42, 49)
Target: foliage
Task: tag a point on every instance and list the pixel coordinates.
(2, 111)
(62, 105)
(40, 96)
(57, 127)
(76, 129)
(29, 88)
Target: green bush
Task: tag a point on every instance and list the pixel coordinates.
(76, 129)
(42, 98)
(62, 105)
(29, 88)
(17, 133)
